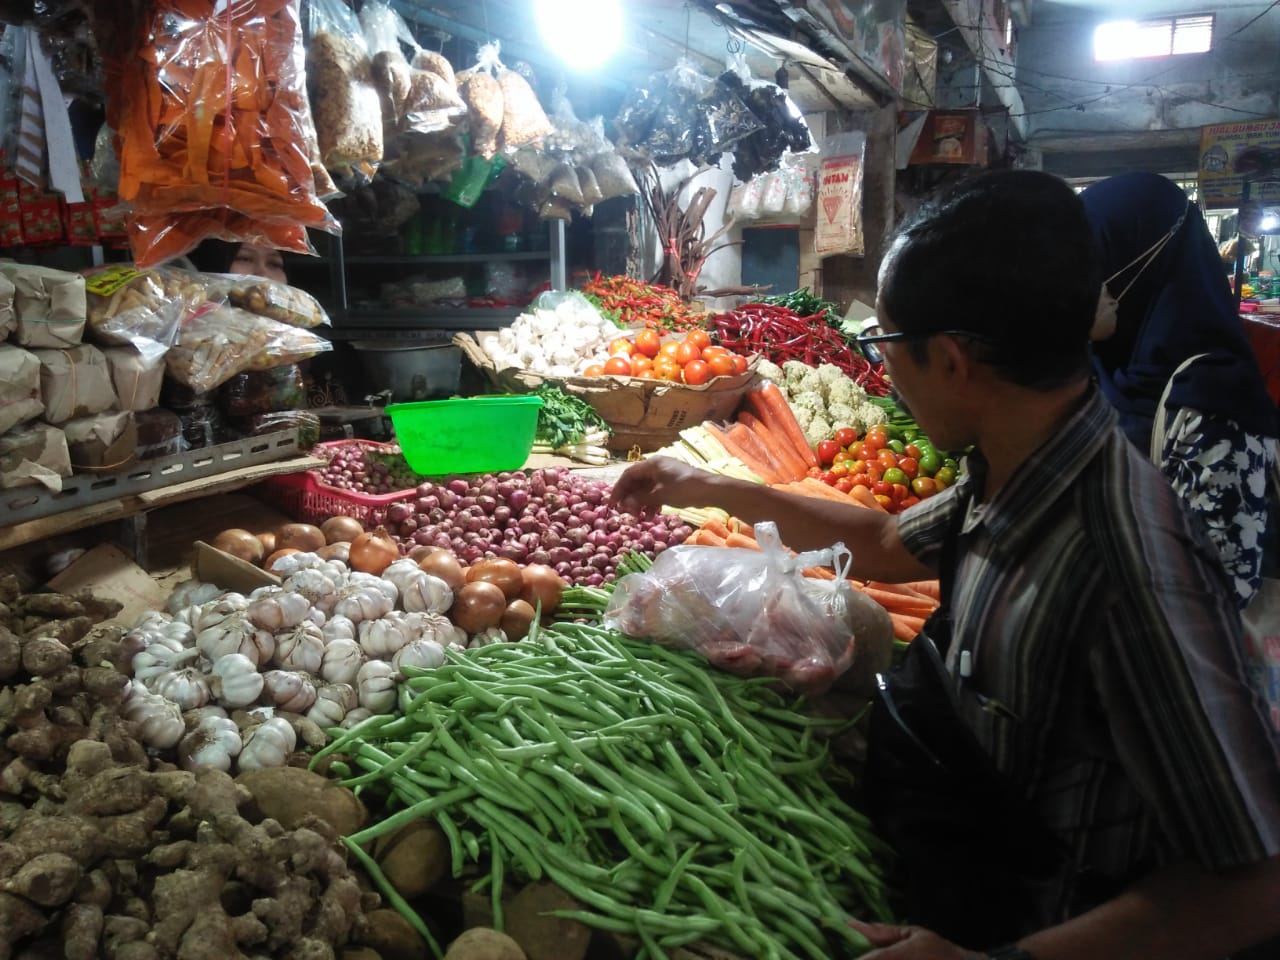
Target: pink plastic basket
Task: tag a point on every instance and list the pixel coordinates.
(305, 498)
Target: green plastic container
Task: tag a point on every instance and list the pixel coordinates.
(474, 435)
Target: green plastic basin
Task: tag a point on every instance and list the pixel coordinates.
(472, 435)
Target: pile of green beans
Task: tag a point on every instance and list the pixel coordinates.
(675, 803)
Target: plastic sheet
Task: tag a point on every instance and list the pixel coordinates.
(418, 91)
(263, 391)
(214, 345)
(343, 98)
(214, 130)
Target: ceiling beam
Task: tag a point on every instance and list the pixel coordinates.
(994, 62)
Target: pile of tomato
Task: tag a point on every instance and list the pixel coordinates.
(693, 359)
(899, 471)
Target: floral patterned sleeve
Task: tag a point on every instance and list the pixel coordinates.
(1221, 473)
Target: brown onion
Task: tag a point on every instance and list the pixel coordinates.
(505, 574)
(479, 605)
(542, 585)
(240, 543)
(305, 537)
(282, 552)
(341, 529)
(517, 619)
(443, 564)
(420, 551)
(268, 541)
(373, 551)
(335, 551)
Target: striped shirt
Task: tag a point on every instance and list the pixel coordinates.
(1106, 679)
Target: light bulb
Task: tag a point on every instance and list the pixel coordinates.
(582, 33)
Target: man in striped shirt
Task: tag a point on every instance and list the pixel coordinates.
(1095, 647)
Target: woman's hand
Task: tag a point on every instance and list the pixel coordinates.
(908, 943)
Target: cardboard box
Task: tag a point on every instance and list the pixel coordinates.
(106, 572)
(230, 573)
(646, 413)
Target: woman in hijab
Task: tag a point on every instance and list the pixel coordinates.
(1167, 301)
(220, 256)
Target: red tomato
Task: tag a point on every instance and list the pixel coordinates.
(687, 351)
(829, 478)
(900, 492)
(618, 365)
(648, 343)
(721, 366)
(908, 502)
(739, 364)
(844, 484)
(639, 364)
(839, 470)
(875, 471)
(912, 451)
(887, 458)
(877, 436)
(924, 487)
(828, 450)
(882, 489)
(621, 345)
(909, 465)
(715, 350)
(647, 374)
(861, 479)
(886, 502)
(699, 338)
(866, 452)
(696, 373)
(815, 472)
(669, 349)
(845, 436)
(594, 370)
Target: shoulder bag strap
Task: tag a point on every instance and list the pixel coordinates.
(1159, 425)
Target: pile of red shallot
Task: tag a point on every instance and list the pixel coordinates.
(365, 468)
(550, 516)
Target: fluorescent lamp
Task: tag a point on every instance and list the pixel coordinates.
(582, 33)
(1114, 40)
(1269, 222)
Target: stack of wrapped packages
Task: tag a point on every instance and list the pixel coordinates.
(101, 371)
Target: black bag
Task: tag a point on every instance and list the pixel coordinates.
(975, 863)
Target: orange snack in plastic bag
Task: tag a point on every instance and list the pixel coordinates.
(215, 132)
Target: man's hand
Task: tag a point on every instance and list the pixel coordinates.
(658, 481)
(908, 943)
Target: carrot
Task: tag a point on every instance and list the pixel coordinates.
(863, 496)
(898, 604)
(816, 488)
(715, 526)
(705, 538)
(747, 440)
(785, 458)
(819, 573)
(929, 588)
(733, 448)
(771, 407)
(738, 540)
(902, 590)
(904, 627)
(741, 526)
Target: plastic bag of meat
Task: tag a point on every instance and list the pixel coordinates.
(752, 613)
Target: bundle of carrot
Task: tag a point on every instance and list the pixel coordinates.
(215, 131)
(909, 605)
(767, 438)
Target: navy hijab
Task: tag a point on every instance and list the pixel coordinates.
(1179, 306)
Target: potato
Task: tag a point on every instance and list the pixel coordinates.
(414, 858)
(287, 794)
(540, 935)
(482, 943)
(390, 935)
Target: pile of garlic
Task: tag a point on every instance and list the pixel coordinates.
(557, 342)
(324, 649)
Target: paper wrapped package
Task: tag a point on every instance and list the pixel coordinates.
(105, 441)
(8, 322)
(74, 383)
(50, 305)
(137, 377)
(19, 387)
(35, 454)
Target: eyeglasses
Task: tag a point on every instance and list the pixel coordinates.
(864, 339)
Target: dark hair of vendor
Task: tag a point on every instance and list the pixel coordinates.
(214, 256)
(1009, 256)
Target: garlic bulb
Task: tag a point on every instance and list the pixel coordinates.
(268, 745)
(191, 593)
(333, 702)
(288, 690)
(401, 572)
(187, 688)
(423, 654)
(365, 597)
(193, 718)
(159, 722)
(487, 636)
(426, 594)
(318, 586)
(338, 628)
(432, 626)
(236, 633)
(342, 660)
(275, 609)
(213, 742)
(381, 638)
(376, 686)
(157, 627)
(353, 717)
(215, 611)
(236, 681)
(160, 657)
(301, 648)
(292, 563)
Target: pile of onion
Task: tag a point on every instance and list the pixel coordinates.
(552, 517)
(332, 540)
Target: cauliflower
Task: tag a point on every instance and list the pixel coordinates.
(845, 392)
(843, 415)
(810, 383)
(870, 414)
(771, 371)
(804, 415)
(830, 374)
(819, 429)
(794, 371)
(812, 402)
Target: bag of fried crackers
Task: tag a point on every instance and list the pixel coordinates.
(139, 308)
(216, 152)
(417, 88)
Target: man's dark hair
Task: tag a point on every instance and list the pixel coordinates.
(1009, 256)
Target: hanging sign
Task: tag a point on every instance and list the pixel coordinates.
(1235, 154)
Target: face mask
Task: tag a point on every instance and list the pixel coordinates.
(1104, 319)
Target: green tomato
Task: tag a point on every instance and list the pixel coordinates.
(910, 435)
(950, 462)
(930, 459)
(945, 476)
(895, 475)
(897, 446)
